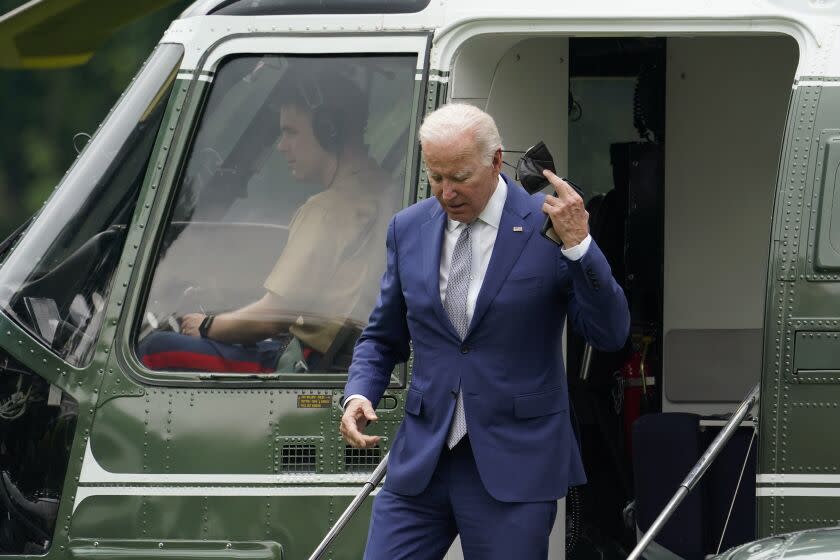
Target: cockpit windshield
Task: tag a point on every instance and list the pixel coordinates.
(56, 280)
(271, 257)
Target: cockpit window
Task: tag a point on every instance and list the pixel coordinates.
(56, 281)
(272, 255)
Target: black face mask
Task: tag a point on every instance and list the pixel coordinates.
(529, 174)
(530, 167)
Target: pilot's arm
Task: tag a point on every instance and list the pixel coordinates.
(257, 321)
(293, 284)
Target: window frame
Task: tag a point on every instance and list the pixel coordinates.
(200, 85)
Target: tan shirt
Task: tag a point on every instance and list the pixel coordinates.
(329, 271)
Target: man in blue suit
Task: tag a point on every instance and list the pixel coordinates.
(486, 447)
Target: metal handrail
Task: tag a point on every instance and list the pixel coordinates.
(696, 473)
(375, 478)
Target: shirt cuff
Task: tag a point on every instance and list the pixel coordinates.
(351, 397)
(578, 251)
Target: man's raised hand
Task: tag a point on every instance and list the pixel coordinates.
(356, 416)
(569, 217)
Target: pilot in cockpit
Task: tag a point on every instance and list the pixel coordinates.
(325, 282)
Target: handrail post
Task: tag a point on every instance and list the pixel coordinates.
(696, 473)
(371, 483)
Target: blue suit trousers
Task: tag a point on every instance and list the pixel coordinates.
(423, 527)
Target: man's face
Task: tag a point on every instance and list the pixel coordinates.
(461, 179)
(303, 153)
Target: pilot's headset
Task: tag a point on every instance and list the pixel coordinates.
(338, 106)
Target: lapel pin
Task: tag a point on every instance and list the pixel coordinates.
(517, 228)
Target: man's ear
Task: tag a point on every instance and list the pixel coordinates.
(497, 161)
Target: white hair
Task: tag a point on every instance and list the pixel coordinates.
(451, 120)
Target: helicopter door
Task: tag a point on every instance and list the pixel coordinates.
(246, 210)
(798, 485)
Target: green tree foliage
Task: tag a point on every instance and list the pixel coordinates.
(41, 111)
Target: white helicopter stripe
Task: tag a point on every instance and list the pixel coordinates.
(798, 479)
(797, 491)
(806, 83)
(93, 474)
(84, 492)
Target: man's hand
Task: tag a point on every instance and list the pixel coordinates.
(356, 416)
(190, 323)
(569, 217)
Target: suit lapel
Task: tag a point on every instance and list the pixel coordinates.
(506, 250)
(432, 236)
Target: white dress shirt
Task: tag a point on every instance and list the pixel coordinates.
(483, 237)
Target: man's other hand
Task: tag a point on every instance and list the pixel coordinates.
(569, 217)
(356, 416)
(190, 323)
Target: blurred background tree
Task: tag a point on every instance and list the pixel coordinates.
(41, 110)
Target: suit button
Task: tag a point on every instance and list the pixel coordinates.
(465, 349)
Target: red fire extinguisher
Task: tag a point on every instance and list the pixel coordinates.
(637, 388)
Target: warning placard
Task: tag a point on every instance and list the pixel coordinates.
(314, 401)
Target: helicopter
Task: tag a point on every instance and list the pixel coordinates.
(704, 136)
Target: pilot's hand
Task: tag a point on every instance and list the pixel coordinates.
(190, 323)
(569, 217)
(356, 416)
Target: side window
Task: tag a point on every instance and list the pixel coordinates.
(271, 258)
(56, 281)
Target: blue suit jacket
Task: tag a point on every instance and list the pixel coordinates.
(509, 365)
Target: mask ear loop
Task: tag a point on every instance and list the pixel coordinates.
(514, 167)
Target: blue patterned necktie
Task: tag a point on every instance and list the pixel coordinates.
(455, 303)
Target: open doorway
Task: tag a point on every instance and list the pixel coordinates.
(676, 143)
